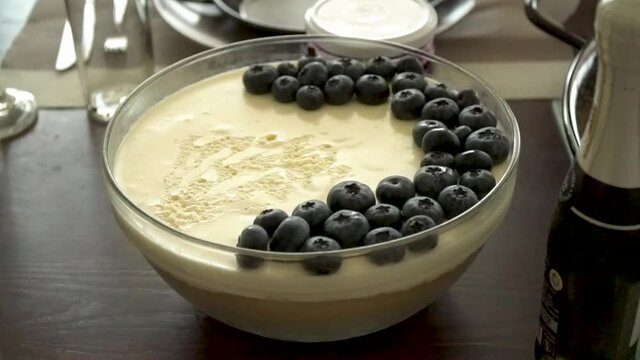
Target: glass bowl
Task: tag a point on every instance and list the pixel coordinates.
(279, 299)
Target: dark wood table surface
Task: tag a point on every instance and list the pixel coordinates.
(73, 287)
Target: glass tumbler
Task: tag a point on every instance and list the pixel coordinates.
(112, 41)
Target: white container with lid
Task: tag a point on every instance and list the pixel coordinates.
(408, 22)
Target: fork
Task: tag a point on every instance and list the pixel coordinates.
(118, 43)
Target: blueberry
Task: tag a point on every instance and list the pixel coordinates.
(284, 89)
(481, 181)
(442, 109)
(381, 65)
(314, 73)
(314, 212)
(440, 140)
(409, 63)
(415, 225)
(472, 159)
(385, 256)
(422, 127)
(290, 235)
(408, 80)
(490, 140)
(423, 205)
(338, 90)
(252, 237)
(319, 243)
(462, 131)
(372, 89)
(348, 227)
(430, 180)
(346, 66)
(310, 97)
(395, 190)
(335, 67)
(287, 68)
(456, 199)
(308, 59)
(270, 219)
(466, 98)
(350, 195)
(477, 117)
(257, 79)
(407, 104)
(383, 215)
(323, 264)
(439, 158)
(438, 91)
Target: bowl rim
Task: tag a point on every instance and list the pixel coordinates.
(112, 184)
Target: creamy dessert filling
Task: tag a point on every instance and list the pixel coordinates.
(207, 159)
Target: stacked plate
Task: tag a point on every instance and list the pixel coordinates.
(196, 19)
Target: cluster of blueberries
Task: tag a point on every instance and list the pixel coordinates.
(349, 218)
(314, 81)
(458, 136)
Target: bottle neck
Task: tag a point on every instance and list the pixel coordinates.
(610, 147)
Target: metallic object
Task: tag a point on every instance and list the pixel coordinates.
(113, 66)
(549, 26)
(264, 15)
(66, 54)
(449, 13)
(119, 42)
(579, 87)
(577, 98)
(66, 57)
(88, 28)
(18, 111)
(199, 21)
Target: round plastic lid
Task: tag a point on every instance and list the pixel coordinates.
(409, 22)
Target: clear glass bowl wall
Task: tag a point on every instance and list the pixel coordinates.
(279, 299)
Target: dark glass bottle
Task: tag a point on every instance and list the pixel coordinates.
(591, 292)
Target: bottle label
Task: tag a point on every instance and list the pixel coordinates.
(566, 328)
(635, 333)
(552, 285)
(549, 313)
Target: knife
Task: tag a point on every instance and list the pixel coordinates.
(88, 27)
(119, 10)
(66, 53)
(66, 57)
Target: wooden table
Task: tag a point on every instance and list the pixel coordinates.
(73, 287)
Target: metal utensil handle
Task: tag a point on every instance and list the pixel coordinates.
(550, 27)
(119, 9)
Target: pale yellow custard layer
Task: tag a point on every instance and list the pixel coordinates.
(207, 159)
